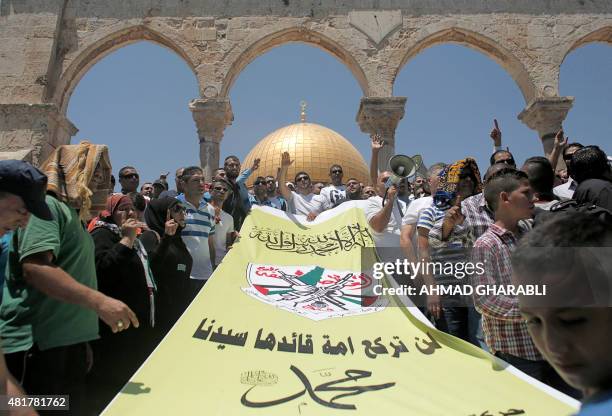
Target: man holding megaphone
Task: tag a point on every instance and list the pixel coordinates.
(385, 211)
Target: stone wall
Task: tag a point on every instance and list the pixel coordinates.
(46, 46)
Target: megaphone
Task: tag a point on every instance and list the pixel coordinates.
(421, 168)
(400, 166)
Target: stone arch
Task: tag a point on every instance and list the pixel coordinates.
(293, 34)
(479, 42)
(603, 35)
(97, 50)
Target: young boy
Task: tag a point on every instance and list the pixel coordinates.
(509, 196)
(572, 325)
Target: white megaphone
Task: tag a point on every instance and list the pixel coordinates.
(400, 166)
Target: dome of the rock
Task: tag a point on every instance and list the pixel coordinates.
(313, 147)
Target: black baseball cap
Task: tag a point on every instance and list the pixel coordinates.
(24, 180)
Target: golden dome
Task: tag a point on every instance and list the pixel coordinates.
(313, 147)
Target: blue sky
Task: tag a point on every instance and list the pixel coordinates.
(135, 101)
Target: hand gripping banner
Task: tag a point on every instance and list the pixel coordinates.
(286, 326)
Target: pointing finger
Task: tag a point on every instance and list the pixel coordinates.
(495, 123)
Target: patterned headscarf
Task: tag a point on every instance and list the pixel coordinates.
(449, 181)
(70, 169)
(105, 219)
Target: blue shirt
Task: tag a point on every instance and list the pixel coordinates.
(597, 406)
(276, 202)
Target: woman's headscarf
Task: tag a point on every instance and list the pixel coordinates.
(70, 169)
(156, 213)
(449, 181)
(105, 219)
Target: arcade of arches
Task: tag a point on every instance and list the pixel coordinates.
(46, 48)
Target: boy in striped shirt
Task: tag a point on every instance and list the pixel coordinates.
(199, 225)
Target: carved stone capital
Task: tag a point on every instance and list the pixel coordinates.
(378, 115)
(212, 116)
(545, 115)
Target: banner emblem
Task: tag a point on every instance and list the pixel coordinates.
(313, 291)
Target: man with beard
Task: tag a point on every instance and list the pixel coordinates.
(237, 204)
(353, 190)
(335, 193)
(302, 202)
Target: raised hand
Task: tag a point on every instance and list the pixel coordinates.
(130, 227)
(255, 164)
(496, 133)
(560, 140)
(377, 142)
(170, 226)
(286, 160)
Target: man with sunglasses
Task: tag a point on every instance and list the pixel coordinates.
(275, 199)
(224, 222)
(260, 193)
(303, 201)
(129, 179)
(335, 193)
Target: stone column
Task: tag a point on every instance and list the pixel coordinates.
(545, 115)
(211, 116)
(34, 130)
(378, 115)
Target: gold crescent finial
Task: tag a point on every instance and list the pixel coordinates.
(303, 111)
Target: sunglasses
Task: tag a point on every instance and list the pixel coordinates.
(507, 161)
(302, 178)
(270, 181)
(220, 189)
(131, 176)
(336, 171)
(259, 183)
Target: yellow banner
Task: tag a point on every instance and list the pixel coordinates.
(283, 328)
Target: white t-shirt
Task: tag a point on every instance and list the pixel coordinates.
(333, 195)
(305, 204)
(390, 237)
(566, 190)
(226, 225)
(415, 208)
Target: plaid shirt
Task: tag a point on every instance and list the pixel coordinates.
(503, 327)
(478, 218)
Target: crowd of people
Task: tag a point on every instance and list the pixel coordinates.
(83, 266)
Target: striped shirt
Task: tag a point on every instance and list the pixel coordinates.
(503, 327)
(429, 216)
(199, 225)
(443, 252)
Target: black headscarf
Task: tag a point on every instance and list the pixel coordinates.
(156, 214)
